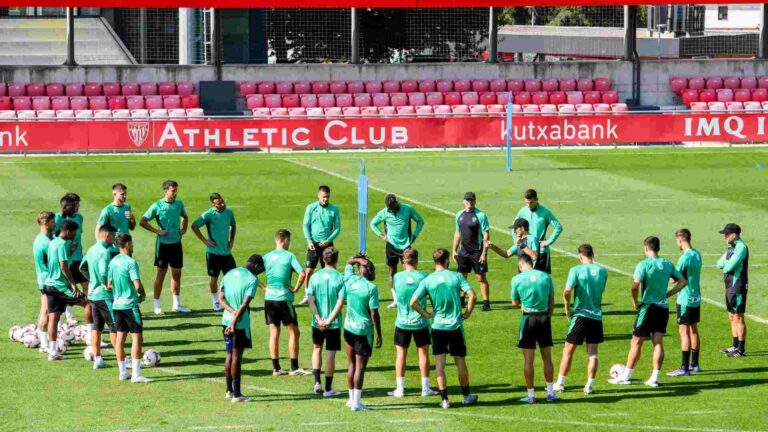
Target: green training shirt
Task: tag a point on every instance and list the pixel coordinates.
(321, 223)
(77, 253)
(398, 225)
(280, 265)
(654, 275)
(587, 283)
(528, 241)
(735, 265)
(168, 217)
(361, 297)
(689, 265)
(236, 285)
(443, 287)
(538, 222)
(122, 271)
(405, 284)
(115, 216)
(97, 261)
(218, 224)
(533, 289)
(58, 251)
(325, 286)
(40, 254)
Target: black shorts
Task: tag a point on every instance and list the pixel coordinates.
(421, 337)
(331, 338)
(651, 319)
(736, 300)
(77, 275)
(582, 329)
(535, 329)
(361, 345)
(219, 264)
(238, 340)
(688, 315)
(449, 342)
(471, 262)
(128, 320)
(315, 256)
(101, 312)
(543, 264)
(279, 312)
(393, 256)
(59, 300)
(169, 255)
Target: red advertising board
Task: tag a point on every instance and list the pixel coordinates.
(372, 133)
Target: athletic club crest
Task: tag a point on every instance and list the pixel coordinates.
(138, 132)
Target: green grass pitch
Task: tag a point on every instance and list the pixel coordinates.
(611, 198)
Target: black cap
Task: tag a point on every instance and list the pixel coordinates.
(470, 196)
(731, 228)
(519, 223)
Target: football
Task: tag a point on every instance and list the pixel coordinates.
(61, 345)
(31, 340)
(88, 354)
(12, 332)
(151, 358)
(18, 334)
(616, 370)
(66, 335)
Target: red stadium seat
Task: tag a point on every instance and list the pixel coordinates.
(478, 109)
(548, 108)
(380, 99)
(714, 83)
(195, 112)
(351, 111)
(124, 113)
(427, 86)
(567, 84)
(462, 86)
(480, 86)
(297, 112)
(425, 110)
(716, 106)
(185, 88)
(255, 101)
(71, 89)
(592, 97)
(273, 101)
(619, 108)
(749, 83)
(387, 111)
(190, 101)
(725, 95)
(585, 85)
(127, 89)
(158, 113)
(531, 108)
(762, 82)
(291, 101)
(172, 102)
(321, 87)
(398, 99)
(166, 88)
(17, 89)
(65, 114)
(278, 112)
(92, 89)
(78, 103)
(391, 86)
(308, 100)
(35, 89)
(373, 87)
(689, 96)
(549, 85)
(574, 97)
(434, 98)
(460, 109)
(488, 98)
(584, 108)
(516, 108)
(332, 111)
(734, 106)
(102, 114)
(6, 104)
(496, 108)
(115, 103)
(742, 95)
(314, 112)
(760, 95)
(40, 103)
(515, 85)
(46, 114)
(22, 103)
(753, 106)
(498, 85)
(7, 114)
(3, 89)
(444, 86)
(610, 97)
(260, 112)
(539, 98)
(302, 87)
(57, 103)
(416, 99)
(338, 87)
(174, 113)
(84, 114)
(452, 98)
(409, 86)
(148, 89)
(707, 95)
(266, 87)
(442, 109)
(697, 83)
(502, 98)
(26, 114)
(678, 84)
(362, 99)
(532, 85)
(153, 102)
(522, 98)
(110, 89)
(284, 87)
(731, 83)
(355, 87)
(470, 98)
(326, 101)
(343, 100)
(248, 88)
(602, 84)
(369, 111)
(601, 107)
(97, 103)
(135, 102)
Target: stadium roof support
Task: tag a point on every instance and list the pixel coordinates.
(493, 36)
(763, 46)
(354, 57)
(70, 61)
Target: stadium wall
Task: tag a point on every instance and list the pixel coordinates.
(655, 74)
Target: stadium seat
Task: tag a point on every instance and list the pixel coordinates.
(725, 95)
(549, 85)
(714, 83)
(539, 98)
(760, 95)
(478, 109)
(321, 87)
(273, 101)
(462, 85)
(176, 113)
(97, 103)
(610, 97)
(716, 106)
(110, 89)
(266, 87)
(427, 86)
(314, 112)
(697, 83)
(369, 111)
(585, 84)
(566, 108)
(35, 89)
(166, 88)
(689, 96)
(601, 107)
(22, 103)
(127, 89)
(338, 87)
(707, 95)
(373, 87)
(297, 112)
(185, 88)
(516, 109)
(434, 98)
(574, 97)
(7, 114)
(417, 99)
(190, 101)
(255, 101)
(278, 112)
(291, 100)
(470, 98)
(46, 114)
(134, 102)
(567, 84)
(488, 98)
(153, 102)
(409, 86)
(351, 111)
(498, 85)
(444, 86)
(502, 98)
(41, 103)
(391, 86)
(530, 108)
(602, 84)
(148, 89)
(619, 108)
(195, 112)
(65, 114)
(302, 87)
(748, 83)
(260, 112)
(753, 106)
(26, 114)
(158, 113)
(515, 85)
(387, 111)
(557, 98)
(762, 82)
(460, 109)
(742, 95)
(71, 89)
(496, 108)
(548, 109)
(326, 101)
(5, 103)
(332, 112)
(764, 105)
(452, 98)
(398, 99)
(343, 100)
(731, 83)
(380, 99)
(406, 110)
(592, 97)
(3, 89)
(284, 87)
(480, 86)
(678, 84)
(121, 113)
(699, 106)
(734, 106)
(532, 85)
(17, 89)
(102, 114)
(172, 102)
(355, 87)
(522, 98)
(441, 109)
(362, 99)
(248, 88)
(308, 100)
(83, 114)
(425, 110)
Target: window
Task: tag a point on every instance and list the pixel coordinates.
(722, 13)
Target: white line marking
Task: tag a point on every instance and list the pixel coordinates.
(221, 381)
(322, 423)
(495, 228)
(417, 420)
(700, 412)
(617, 414)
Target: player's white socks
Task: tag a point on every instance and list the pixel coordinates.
(550, 390)
(215, 298)
(136, 363)
(351, 396)
(425, 383)
(123, 369)
(654, 376)
(560, 380)
(96, 359)
(157, 303)
(176, 300)
(43, 336)
(590, 382)
(400, 384)
(52, 347)
(531, 393)
(627, 375)
(356, 396)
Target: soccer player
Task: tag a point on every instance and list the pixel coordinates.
(653, 275)
(323, 292)
(278, 302)
(238, 288)
(322, 225)
(470, 245)
(735, 267)
(525, 243)
(60, 287)
(124, 280)
(219, 221)
(532, 290)
(362, 298)
(539, 219)
(118, 214)
(443, 287)
(172, 220)
(96, 261)
(410, 325)
(586, 283)
(688, 305)
(398, 235)
(70, 210)
(45, 220)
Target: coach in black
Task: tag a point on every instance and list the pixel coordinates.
(469, 245)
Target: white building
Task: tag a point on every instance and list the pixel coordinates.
(739, 17)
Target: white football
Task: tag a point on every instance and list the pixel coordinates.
(87, 338)
(616, 370)
(18, 334)
(151, 358)
(12, 332)
(67, 335)
(61, 345)
(31, 327)
(79, 331)
(88, 354)
(31, 341)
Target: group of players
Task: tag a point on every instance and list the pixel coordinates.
(112, 291)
